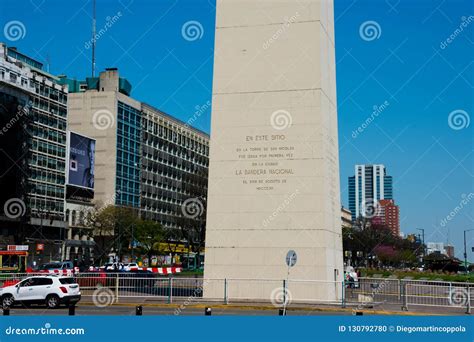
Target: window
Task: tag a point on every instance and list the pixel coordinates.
(65, 281)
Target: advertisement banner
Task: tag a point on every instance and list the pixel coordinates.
(81, 161)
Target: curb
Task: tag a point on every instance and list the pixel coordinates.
(265, 308)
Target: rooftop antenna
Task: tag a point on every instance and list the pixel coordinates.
(93, 37)
(48, 62)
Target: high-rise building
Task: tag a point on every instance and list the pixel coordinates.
(33, 115)
(389, 214)
(369, 184)
(449, 250)
(145, 158)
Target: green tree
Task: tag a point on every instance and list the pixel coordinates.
(149, 234)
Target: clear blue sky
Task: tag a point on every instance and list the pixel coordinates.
(432, 164)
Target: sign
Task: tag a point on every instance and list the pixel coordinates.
(40, 246)
(81, 159)
(17, 247)
(291, 258)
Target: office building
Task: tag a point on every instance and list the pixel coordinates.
(369, 184)
(388, 214)
(449, 250)
(145, 159)
(33, 114)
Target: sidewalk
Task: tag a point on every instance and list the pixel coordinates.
(312, 309)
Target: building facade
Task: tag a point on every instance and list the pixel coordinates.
(33, 107)
(369, 184)
(346, 218)
(388, 214)
(145, 159)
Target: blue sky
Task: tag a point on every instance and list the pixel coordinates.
(407, 65)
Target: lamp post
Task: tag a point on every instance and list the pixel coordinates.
(465, 249)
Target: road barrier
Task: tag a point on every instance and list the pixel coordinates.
(106, 288)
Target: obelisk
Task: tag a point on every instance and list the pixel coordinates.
(274, 168)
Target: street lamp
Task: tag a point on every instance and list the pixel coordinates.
(465, 249)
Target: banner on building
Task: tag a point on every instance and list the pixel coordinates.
(81, 160)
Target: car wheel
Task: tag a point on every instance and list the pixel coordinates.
(52, 301)
(7, 301)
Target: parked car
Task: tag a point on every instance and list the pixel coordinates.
(50, 290)
(57, 266)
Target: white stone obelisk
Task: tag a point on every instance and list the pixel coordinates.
(274, 168)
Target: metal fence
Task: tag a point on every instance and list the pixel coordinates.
(366, 292)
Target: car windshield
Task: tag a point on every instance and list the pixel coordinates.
(50, 266)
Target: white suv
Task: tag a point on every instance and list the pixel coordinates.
(51, 290)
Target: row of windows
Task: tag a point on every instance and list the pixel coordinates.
(49, 107)
(46, 190)
(47, 91)
(171, 135)
(126, 143)
(177, 157)
(48, 134)
(49, 120)
(47, 162)
(164, 170)
(166, 145)
(47, 176)
(52, 149)
(124, 115)
(46, 205)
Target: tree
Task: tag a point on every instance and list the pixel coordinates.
(149, 234)
(377, 241)
(112, 228)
